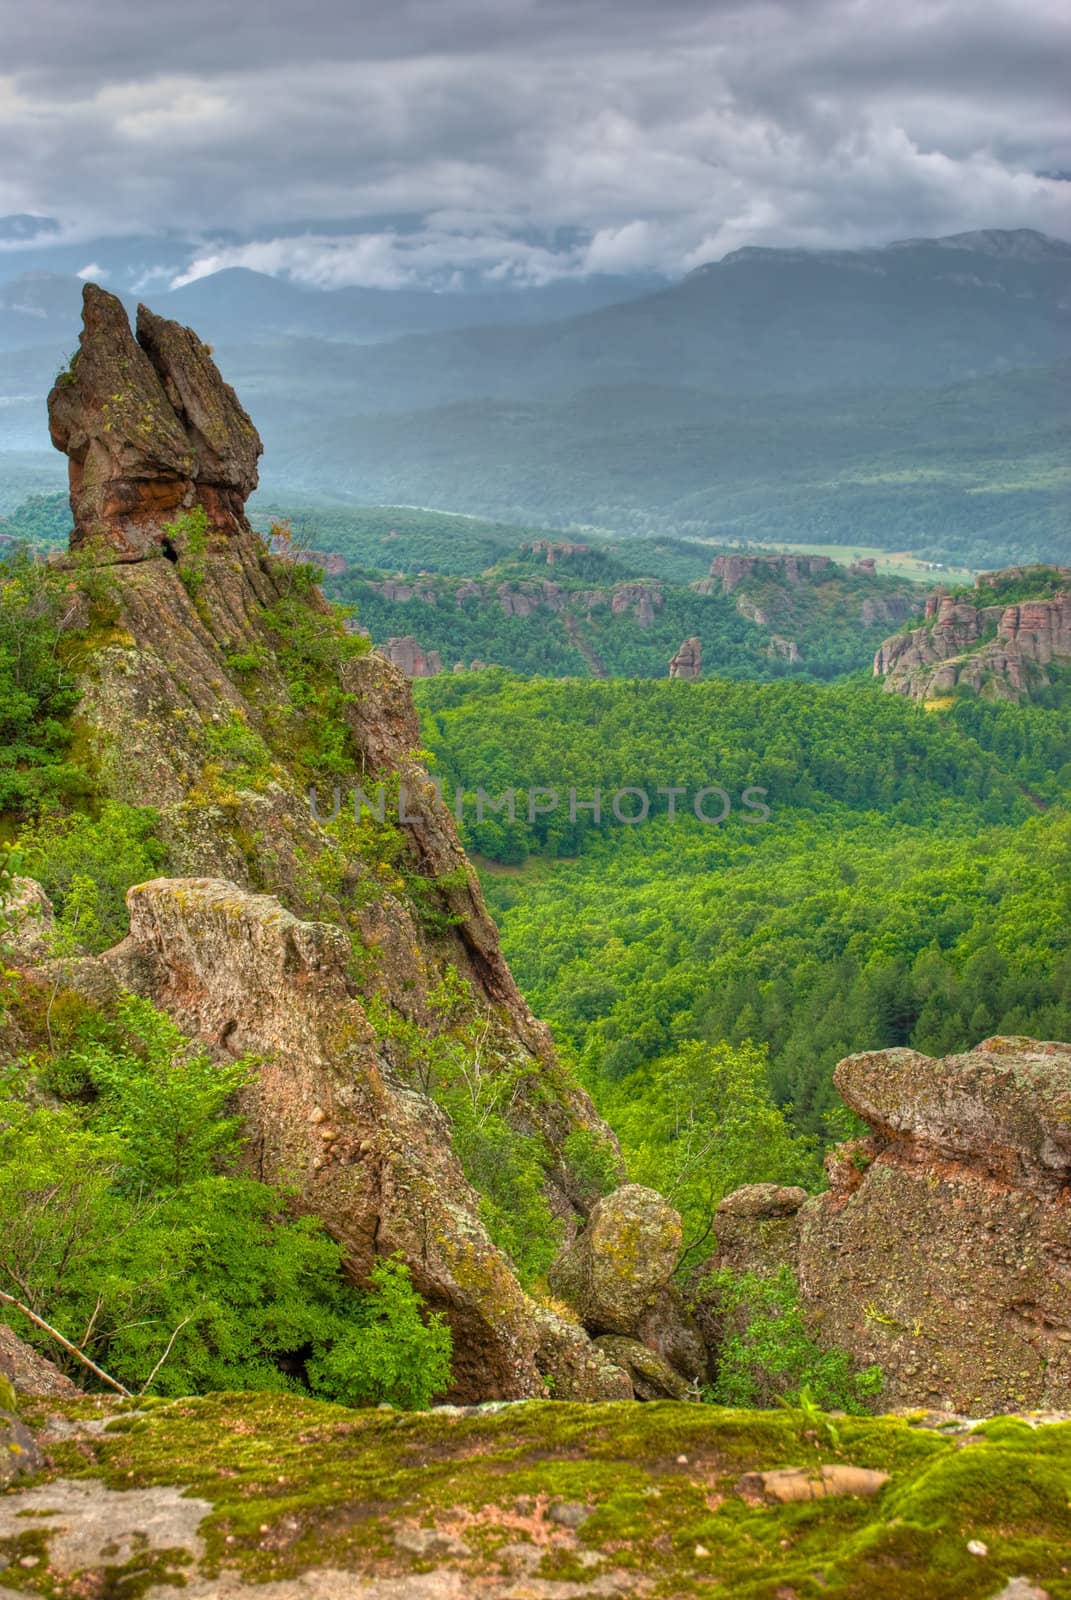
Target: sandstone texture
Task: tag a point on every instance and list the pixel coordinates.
(688, 661)
(27, 1371)
(409, 656)
(26, 921)
(998, 651)
(150, 430)
(941, 1251)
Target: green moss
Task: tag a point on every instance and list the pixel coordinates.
(294, 1484)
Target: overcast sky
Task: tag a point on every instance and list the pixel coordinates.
(664, 134)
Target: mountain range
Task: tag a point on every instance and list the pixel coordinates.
(911, 396)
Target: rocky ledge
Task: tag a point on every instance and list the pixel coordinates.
(998, 651)
(270, 1497)
(942, 1249)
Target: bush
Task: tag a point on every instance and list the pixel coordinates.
(123, 1224)
(388, 1352)
(767, 1355)
(86, 864)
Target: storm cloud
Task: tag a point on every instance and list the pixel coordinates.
(530, 139)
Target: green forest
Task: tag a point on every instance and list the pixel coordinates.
(912, 885)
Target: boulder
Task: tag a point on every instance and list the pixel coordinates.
(620, 1266)
(940, 1251)
(26, 921)
(757, 1228)
(651, 1376)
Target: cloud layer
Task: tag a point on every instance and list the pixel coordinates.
(530, 139)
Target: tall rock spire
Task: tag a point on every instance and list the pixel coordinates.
(150, 430)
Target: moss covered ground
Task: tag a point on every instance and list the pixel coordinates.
(656, 1493)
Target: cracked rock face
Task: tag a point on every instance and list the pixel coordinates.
(1000, 652)
(941, 1251)
(150, 430)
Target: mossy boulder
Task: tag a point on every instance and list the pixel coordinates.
(620, 1266)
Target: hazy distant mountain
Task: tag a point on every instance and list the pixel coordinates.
(763, 321)
(911, 395)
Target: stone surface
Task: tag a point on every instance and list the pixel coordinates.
(619, 1267)
(756, 1228)
(732, 571)
(940, 1252)
(150, 431)
(19, 1454)
(688, 661)
(27, 1371)
(410, 657)
(652, 1376)
(1000, 652)
(276, 1497)
(91, 1528)
(26, 921)
(241, 972)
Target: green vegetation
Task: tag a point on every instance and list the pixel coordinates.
(611, 631)
(86, 864)
(767, 1354)
(125, 1222)
(36, 692)
(291, 1482)
(41, 519)
(910, 886)
(699, 1123)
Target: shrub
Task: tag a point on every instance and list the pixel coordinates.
(123, 1224)
(767, 1355)
(388, 1351)
(86, 864)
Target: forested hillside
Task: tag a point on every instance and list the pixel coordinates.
(911, 885)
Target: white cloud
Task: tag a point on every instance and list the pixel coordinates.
(650, 139)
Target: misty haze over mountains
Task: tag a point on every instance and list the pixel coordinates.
(912, 396)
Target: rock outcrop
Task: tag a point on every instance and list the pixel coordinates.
(331, 1114)
(410, 657)
(732, 571)
(26, 921)
(998, 651)
(150, 430)
(942, 1250)
(688, 661)
(206, 677)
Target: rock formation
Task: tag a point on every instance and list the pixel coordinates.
(410, 657)
(732, 571)
(182, 660)
(941, 1249)
(150, 431)
(998, 651)
(688, 662)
